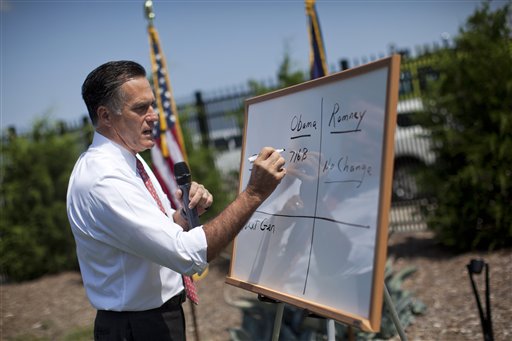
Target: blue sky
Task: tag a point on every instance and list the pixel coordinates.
(49, 47)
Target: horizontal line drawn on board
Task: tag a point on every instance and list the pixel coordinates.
(359, 182)
(345, 131)
(300, 136)
(314, 217)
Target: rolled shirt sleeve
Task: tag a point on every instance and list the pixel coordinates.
(130, 220)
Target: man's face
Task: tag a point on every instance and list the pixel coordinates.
(133, 128)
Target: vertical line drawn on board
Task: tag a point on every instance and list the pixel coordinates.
(316, 199)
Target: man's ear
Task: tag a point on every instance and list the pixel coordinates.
(104, 116)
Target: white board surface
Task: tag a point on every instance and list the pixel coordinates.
(313, 242)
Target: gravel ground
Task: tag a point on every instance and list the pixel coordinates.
(53, 306)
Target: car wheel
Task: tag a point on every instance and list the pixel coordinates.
(405, 185)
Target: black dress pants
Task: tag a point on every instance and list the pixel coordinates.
(164, 323)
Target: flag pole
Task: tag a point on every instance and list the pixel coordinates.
(150, 16)
(148, 9)
(317, 59)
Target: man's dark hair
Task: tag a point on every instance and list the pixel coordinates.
(102, 86)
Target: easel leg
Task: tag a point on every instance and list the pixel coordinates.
(394, 315)
(277, 321)
(350, 332)
(331, 330)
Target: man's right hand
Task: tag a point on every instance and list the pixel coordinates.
(267, 172)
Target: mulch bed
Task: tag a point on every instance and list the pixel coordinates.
(53, 306)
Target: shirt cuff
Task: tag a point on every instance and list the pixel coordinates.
(198, 241)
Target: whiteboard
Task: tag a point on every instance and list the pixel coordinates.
(319, 241)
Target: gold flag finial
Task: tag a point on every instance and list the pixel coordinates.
(148, 8)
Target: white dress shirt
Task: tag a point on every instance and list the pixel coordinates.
(131, 254)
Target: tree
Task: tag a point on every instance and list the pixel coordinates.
(286, 76)
(471, 107)
(35, 237)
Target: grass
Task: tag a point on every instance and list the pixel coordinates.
(79, 334)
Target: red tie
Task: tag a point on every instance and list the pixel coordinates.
(190, 288)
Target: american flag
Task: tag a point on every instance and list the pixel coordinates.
(317, 61)
(169, 148)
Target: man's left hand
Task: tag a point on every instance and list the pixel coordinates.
(199, 197)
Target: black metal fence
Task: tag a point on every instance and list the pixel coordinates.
(223, 121)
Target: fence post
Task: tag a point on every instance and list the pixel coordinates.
(11, 133)
(344, 64)
(202, 120)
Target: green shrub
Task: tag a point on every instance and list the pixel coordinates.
(471, 106)
(35, 238)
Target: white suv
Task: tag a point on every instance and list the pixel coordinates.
(413, 150)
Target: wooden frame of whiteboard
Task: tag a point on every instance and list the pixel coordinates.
(372, 324)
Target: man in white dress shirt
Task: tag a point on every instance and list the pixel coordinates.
(132, 254)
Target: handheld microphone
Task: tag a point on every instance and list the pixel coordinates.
(183, 178)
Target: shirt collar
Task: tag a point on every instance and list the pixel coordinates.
(104, 143)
